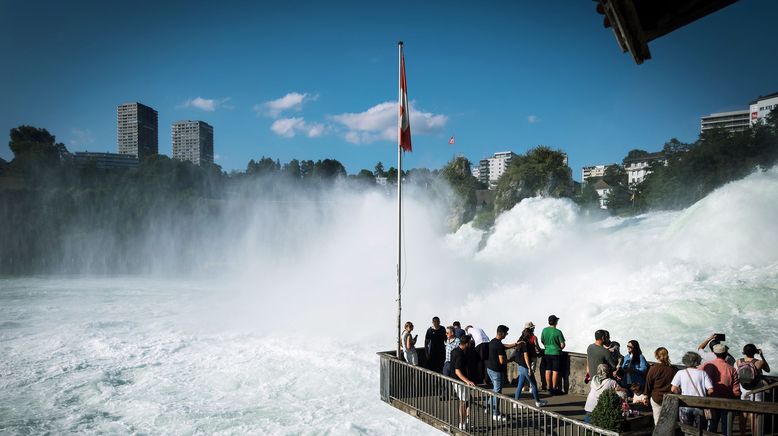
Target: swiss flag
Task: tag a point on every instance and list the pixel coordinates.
(405, 115)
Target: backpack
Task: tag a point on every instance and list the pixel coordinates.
(748, 374)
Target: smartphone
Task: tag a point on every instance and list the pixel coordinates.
(719, 337)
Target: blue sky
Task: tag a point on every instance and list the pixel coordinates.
(308, 80)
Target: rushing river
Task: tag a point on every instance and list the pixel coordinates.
(284, 340)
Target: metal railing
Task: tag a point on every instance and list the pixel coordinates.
(456, 408)
(757, 418)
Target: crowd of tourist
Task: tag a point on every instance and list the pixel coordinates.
(469, 356)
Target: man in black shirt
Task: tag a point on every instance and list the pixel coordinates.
(495, 366)
(460, 361)
(434, 346)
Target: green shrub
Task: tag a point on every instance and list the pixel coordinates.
(607, 413)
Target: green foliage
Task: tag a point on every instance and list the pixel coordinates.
(607, 413)
(718, 157)
(620, 201)
(379, 170)
(540, 172)
(458, 175)
(37, 156)
(588, 198)
(636, 153)
(366, 177)
(484, 219)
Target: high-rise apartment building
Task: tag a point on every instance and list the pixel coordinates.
(193, 141)
(734, 121)
(136, 130)
(740, 120)
(762, 106)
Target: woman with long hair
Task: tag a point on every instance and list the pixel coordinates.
(634, 365)
(526, 371)
(658, 381)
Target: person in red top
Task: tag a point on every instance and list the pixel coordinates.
(725, 385)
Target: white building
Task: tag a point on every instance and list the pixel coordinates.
(734, 121)
(192, 141)
(638, 167)
(475, 170)
(593, 171)
(737, 121)
(492, 168)
(603, 191)
(762, 106)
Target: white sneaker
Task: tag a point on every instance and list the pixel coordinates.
(541, 403)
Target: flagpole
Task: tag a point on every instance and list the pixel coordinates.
(399, 201)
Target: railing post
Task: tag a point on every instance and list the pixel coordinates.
(385, 383)
(668, 417)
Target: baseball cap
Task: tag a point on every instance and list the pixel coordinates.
(529, 325)
(553, 319)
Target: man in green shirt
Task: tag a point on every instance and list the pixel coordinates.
(554, 341)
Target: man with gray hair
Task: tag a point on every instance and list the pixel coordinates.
(450, 343)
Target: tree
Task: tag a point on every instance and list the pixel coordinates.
(306, 169)
(292, 169)
(265, 166)
(607, 413)
(328, 169)
(540, 172)
(379, 170)
(620, 198)
(635, 154)
(458, 175)
(366, 177)
(37, 156)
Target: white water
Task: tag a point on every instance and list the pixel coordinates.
(284, 340)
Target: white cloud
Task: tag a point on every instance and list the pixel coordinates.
(205, 104)
(289, 127)
(532, 119)
(291, 101)
(380, 123)
(217, 156)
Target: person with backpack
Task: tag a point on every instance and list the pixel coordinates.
(749, 371)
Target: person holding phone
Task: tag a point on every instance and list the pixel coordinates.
(710, 342)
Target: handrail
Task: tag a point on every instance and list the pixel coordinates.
(736, 405)
(486, 393)
(763, 389)
(668, 417)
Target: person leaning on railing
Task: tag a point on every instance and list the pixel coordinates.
(658, 381)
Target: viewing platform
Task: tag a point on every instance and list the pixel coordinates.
(435, 399)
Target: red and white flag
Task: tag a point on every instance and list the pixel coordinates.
(451, 141)
(405, 115)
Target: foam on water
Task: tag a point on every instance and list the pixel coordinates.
(283, 341)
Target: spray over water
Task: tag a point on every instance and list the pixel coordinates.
(274, 326)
